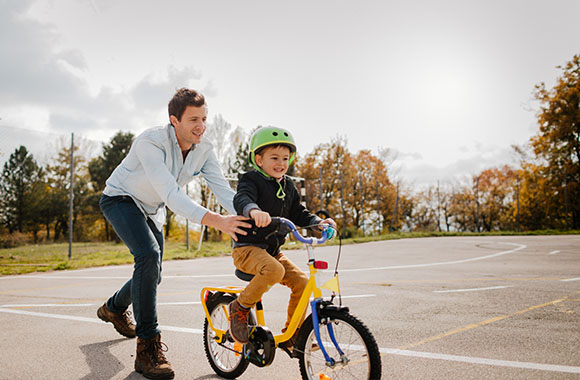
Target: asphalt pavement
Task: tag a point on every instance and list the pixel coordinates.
(439, 308)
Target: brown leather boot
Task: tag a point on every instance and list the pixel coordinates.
(239, 322)
(122, 322)
(151, 361)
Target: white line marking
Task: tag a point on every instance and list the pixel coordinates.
(91, 320)
(392, 351)
(359, 296)
(472, 289)
(50, 305)
(50, 277)
(92, 304)
(571, 279)
(520, 247)
(493, 362)
(553, 252)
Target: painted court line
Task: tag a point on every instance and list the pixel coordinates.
(472, 289)
(519, 247)
(391, 351)
(50, 277)
(493, 362)
(90, 320)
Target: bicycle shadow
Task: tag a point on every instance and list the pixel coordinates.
(102, 363)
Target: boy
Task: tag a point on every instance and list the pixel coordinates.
(263, 193)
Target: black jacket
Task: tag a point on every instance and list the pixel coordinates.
(255, 189)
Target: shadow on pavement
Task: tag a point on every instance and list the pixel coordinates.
(102, 363)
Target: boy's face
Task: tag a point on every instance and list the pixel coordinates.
(190, 129)
(274, 160)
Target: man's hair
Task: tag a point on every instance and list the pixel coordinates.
(184, 97)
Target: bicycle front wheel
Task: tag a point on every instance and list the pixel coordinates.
(361, 359)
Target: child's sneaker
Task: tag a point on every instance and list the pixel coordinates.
(239, 322)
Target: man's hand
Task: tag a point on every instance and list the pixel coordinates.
(261, 218)
(230, 224)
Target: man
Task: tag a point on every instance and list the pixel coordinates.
(160, 161)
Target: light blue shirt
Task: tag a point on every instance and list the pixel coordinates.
(153, 174)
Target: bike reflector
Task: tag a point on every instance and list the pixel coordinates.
(320, 264)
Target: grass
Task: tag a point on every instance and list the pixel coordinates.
(50, 257)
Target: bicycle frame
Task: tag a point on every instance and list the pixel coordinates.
(312, 289)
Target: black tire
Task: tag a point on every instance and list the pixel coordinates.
(354, 339)
(225, 362)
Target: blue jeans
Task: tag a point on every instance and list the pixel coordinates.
(145, 242)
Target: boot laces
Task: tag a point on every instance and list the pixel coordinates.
(156, 352)
(127, 318)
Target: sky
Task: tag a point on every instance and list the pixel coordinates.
(447, 86)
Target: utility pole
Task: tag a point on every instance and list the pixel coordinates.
(477, 204)
(187, 222)
(395, 219)
(362, 223)
(518, 202)
(566, 197)
(320, 182)
(379, 221)
(342, 204)
(438, 208)
(71, 196)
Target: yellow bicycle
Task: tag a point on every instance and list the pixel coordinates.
(332, 344)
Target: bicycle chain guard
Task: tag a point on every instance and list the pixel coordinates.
(261, 348)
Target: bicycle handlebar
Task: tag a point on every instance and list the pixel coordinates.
(327, 231)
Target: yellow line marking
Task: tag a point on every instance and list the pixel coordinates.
(472, 326)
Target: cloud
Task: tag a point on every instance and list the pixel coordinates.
(37, 74)
(481, 157)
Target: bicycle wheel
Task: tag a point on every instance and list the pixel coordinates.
(362, 359)
(221, 356)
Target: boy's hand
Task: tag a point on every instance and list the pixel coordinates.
(327, 221)
(261, 218)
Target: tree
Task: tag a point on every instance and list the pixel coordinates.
(58, 178)
(558, 142)
(100, 168)
(20, 177)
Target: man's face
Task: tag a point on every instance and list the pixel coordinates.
(191, 127)
(274, 161)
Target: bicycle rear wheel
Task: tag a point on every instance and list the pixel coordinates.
(222, 356)
(361, 360)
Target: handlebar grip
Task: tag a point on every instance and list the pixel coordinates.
(327, 233)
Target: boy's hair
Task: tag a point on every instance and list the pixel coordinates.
(184, 97)
(261, 150)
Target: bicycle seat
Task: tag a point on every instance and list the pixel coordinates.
(243, 275)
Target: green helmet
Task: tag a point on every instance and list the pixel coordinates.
(265, 136)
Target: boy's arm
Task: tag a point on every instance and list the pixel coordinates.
(299, 214)
(245, 202)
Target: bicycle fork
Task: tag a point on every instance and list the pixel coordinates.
(316, 308)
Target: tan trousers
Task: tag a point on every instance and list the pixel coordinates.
(267, 271)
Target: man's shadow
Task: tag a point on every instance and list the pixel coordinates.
(102, 363)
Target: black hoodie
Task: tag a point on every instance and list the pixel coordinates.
(258, 191)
